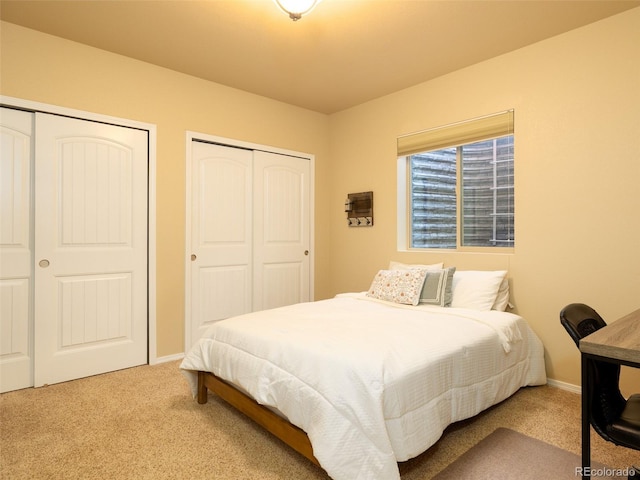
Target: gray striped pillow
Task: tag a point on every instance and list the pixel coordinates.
(437, 287)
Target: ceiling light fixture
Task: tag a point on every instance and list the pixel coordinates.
(296, 8)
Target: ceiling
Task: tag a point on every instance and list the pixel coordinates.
(345, 52)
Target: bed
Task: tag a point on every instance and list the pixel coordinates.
(360, 382)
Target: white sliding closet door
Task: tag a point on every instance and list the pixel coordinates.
(249, 235)
(73, 248)
(220, 234)
(90, 248)
(281, 230)
(16, 275)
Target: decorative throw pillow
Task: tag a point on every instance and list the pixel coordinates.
(476, 289)
(398, 286)
(437, 288)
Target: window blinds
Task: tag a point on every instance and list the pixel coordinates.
(461, 133)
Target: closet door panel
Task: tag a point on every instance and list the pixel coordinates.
(221, 231)
(16, 331)
(90, 248)
(281, 230)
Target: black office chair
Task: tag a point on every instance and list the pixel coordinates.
(615, 418)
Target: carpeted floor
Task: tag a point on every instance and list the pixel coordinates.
(141, 423)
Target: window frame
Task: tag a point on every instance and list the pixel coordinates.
(404, 199)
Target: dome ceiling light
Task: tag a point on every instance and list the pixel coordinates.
(296, 8)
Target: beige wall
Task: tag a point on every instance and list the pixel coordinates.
(577, 126)
(577, 104)
(51, 70)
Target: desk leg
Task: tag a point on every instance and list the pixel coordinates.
(586, 414)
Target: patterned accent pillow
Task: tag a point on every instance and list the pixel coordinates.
(398, 286)
(437, 287)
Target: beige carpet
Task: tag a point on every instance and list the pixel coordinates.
(141, 423)
(506, 454)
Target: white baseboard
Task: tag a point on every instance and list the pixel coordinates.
(168, 358)
(564, 386)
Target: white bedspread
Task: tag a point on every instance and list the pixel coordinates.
(372, 383)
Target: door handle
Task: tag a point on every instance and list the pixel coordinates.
(306, 252)
(44, 263)
(193, 257)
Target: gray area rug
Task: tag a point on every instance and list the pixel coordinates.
(506, 454)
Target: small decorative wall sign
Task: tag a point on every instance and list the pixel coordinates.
(359, 209)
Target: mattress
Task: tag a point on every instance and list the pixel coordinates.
(372, 383)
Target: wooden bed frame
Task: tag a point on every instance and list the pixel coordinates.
(293, 436)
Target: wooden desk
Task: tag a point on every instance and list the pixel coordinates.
(618, 342)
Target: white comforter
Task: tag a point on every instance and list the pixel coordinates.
(372, 383)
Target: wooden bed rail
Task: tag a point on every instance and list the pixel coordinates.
(293, 436)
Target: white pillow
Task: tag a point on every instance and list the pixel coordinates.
(398, 286)
(502, 299)
(406, 266)
(476, 289)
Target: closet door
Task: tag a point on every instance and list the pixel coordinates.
(16, 276)
(90, 248)
(221, 235)
(249, 235)
(281, 230)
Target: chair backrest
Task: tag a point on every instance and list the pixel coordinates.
(607, 402)
(580, 320)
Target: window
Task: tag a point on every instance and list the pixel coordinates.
(473, 157)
